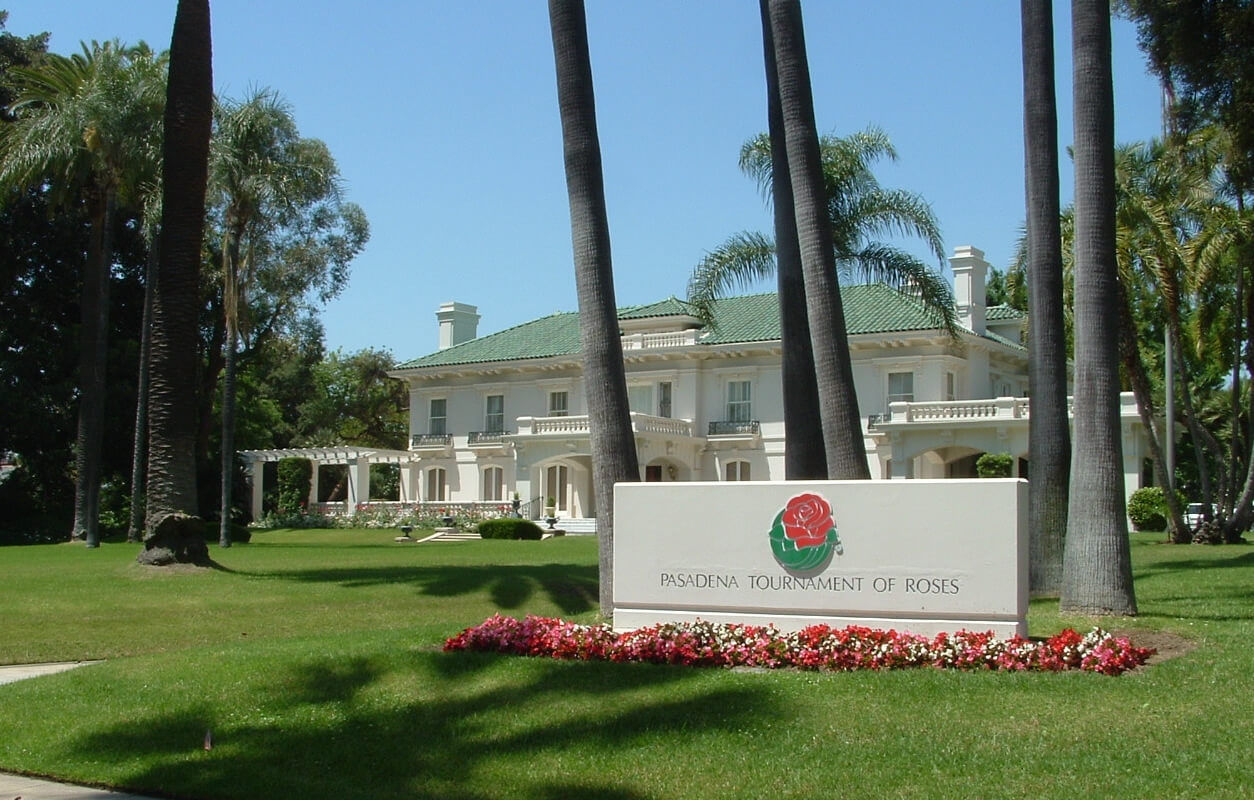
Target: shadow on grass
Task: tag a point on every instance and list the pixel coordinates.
(571, 587)
(545, 730)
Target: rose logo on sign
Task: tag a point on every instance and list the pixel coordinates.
(803, 537)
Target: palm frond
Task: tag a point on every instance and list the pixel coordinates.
(739, 262)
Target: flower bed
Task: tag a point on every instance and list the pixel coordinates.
(819, 647)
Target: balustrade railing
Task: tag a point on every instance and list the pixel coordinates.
(724, 427)
(431, 440)
(486, 437)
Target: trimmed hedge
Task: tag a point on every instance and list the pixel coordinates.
(509, 528)
(1147, 508)
(995, 465)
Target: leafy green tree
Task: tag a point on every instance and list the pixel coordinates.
(185, 170)
(75, 131)
(838, 402)
(352, 400)
(613, 444)
(1097, 566)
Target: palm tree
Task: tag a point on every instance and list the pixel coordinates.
(1049, 430)
(172, 404)
(804, 455)
(260, 174)
(838, 402)
(858, 209)
(1097, 564)
(80, 127)
(613, 446)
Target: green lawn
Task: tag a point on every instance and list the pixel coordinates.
(314, 659)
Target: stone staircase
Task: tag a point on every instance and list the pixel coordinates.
(574, 526)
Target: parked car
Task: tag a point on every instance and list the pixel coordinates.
(1194, 515)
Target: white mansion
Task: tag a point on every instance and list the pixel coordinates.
(503, 413)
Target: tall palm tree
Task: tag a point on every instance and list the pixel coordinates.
(172, 404)
(1049, 430)
(81, 127)
(613, 445)
(857, 208)
(838, 402)
(804, 455)
(1097, 564)
(260, 174)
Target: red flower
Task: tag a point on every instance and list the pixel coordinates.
(807, 519)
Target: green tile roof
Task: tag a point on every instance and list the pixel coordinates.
(1004, 312)
(869, 309)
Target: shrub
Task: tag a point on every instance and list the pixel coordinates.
(994, 465)
(508, 528)
(1147, 508)
(295, 478)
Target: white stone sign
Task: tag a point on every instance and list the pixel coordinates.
(916, 555)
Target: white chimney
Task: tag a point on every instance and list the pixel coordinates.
(970, 270)
(459, 323)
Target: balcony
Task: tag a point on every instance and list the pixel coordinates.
(488, 438)
(490, 443)
(751, 428)
(577, 426)
(431, 443)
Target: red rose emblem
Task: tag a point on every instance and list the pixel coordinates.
(807, 519)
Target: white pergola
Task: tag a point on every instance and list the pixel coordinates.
(358, 459)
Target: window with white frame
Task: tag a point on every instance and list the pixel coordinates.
(739, 405)
(494, 414)
(664, 399)
(736, 471)
(493, 483)
(437, 420)
(640, 398)
(951, 387)
(900, 387)
(437, 484)
(558, 404)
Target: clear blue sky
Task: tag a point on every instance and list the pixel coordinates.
(443, 118)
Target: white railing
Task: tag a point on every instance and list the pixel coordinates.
(997, 408)
(647, 341)
(578, 425)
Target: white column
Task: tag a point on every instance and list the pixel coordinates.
(358, 483)
(259, 488)
(313, 484)
(409, 483)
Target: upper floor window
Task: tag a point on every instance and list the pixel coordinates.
(558, 404)
(736, 471)
(664, 399)
(437, 420)
(901, 387)
(640, 398)
(494, 416)
(739, 407)
(951, 387)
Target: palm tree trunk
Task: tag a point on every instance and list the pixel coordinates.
(231, 298)
(1049, 429)
(613, 445)
(139, 463)
(93, 355)
(1134, 368)
(172, 400)
(1097, 564)
(804, 455)
(228, 436)
(838, 403)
